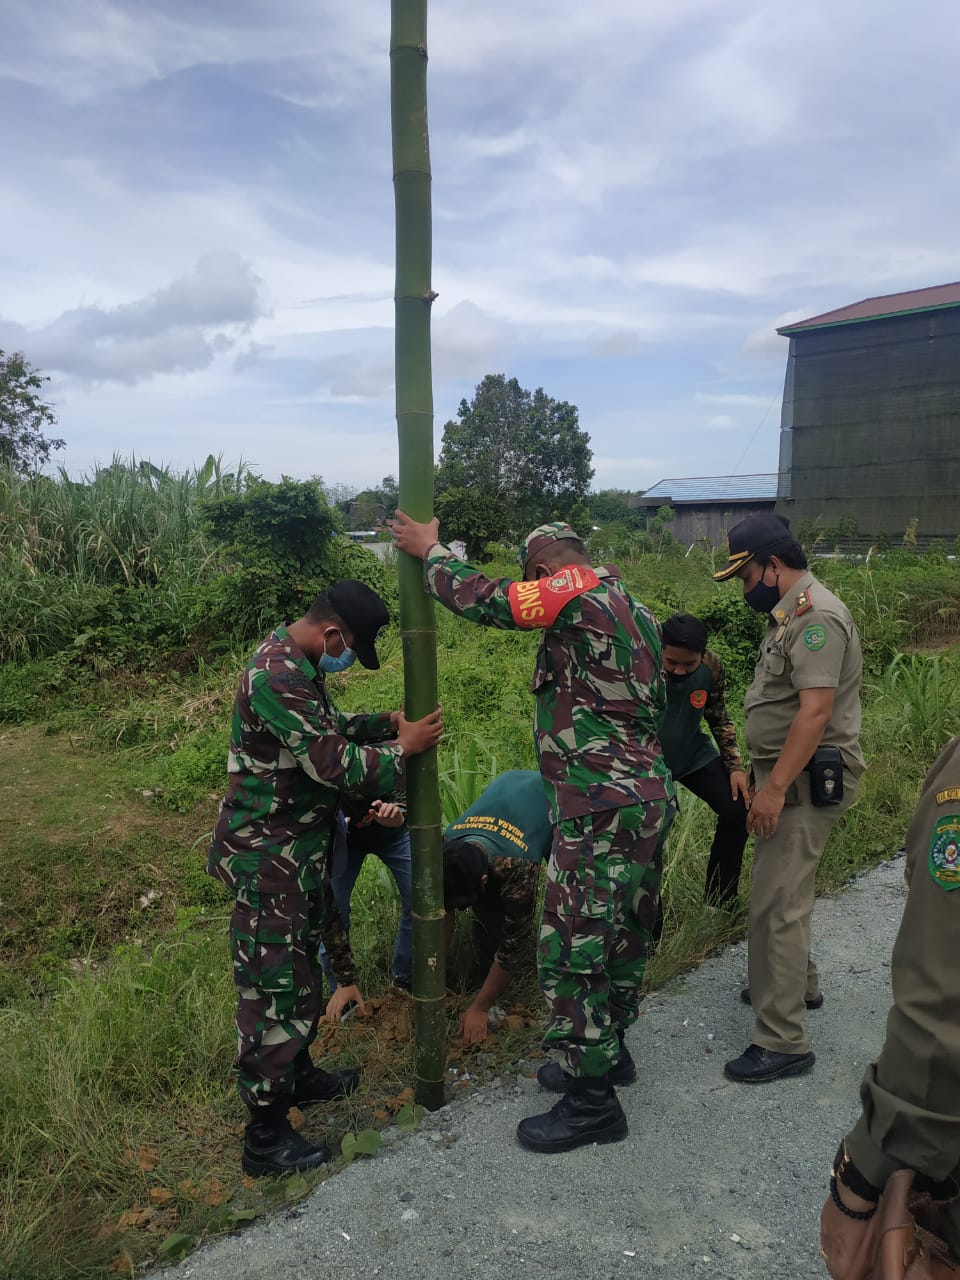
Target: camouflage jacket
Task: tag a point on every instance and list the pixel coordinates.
(717, 717)
(291, 754)
(598, 686)
(510, 897)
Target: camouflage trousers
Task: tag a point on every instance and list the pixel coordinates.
(599, 909)
(274, 939)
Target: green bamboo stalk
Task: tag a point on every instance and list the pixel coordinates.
(413, 298)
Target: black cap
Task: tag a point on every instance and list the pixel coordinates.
(364, 613)
(760, 536)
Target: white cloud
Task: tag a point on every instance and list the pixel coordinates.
(625, 205)
(180, 327)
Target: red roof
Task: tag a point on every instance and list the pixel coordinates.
(889, 304)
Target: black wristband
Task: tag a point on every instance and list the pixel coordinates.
(847, 1172)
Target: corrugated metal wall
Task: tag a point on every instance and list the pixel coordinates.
(871, 426)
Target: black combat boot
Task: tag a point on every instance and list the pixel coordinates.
(271, 1146)
(317, 1085)
(587, 1112)
(552, 1076)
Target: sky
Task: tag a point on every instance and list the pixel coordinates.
(197, 224)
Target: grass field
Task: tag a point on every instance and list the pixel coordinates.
(119, 1126)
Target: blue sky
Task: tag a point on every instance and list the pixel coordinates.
(196, 215)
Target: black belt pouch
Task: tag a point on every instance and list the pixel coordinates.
(826, 776)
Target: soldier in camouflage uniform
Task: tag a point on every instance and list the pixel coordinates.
(599, 696)
(492, 855)
(291, 754)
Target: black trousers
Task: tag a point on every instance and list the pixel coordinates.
(712, 785)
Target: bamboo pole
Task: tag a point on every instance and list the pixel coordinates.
(413, 297)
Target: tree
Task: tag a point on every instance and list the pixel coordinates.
(609, 506)
(278, 541)
(24, 416)
(368, 508)
(511, 461)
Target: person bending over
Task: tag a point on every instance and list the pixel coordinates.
(492, 856)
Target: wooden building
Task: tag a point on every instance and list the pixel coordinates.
(707, 506)
(870, 429)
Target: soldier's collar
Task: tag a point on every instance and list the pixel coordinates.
(296, 653)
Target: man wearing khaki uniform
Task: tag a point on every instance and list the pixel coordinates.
(805, 695)
(910, 1097)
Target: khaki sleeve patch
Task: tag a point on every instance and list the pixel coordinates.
(949, 793)
(814, 636)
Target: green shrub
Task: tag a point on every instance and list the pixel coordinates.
(28, 688)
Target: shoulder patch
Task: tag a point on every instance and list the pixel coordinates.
(949, 793)
(698, 699)
(804, 603)
(815, 636)
(538, 604)
(944, 857)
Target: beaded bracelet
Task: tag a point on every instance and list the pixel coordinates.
(859, 1216)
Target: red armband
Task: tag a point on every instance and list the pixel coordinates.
(538, 604)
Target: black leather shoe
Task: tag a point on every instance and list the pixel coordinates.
(588, 1112)
(318, 1085)
(757, 1065)
(274, 1149)
(815, 1003)
(553, 1078)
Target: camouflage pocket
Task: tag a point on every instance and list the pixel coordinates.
(266, 932)
(577, 882)
(570, 945)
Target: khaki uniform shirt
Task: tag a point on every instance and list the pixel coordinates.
(810, 643)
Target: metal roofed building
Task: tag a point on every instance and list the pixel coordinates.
(707, 506)
(870, 426)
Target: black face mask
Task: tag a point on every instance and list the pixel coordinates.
(762, 598)
(675, 677)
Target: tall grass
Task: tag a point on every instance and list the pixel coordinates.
(118, 1058)
(67, 547)
(918, 701)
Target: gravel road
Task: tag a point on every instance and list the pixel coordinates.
(715, 1179)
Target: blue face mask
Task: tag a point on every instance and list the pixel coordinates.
(762, 598)
(331, 665)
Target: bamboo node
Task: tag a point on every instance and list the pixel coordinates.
(431, 295)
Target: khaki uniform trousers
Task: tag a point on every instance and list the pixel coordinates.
(782, 974)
